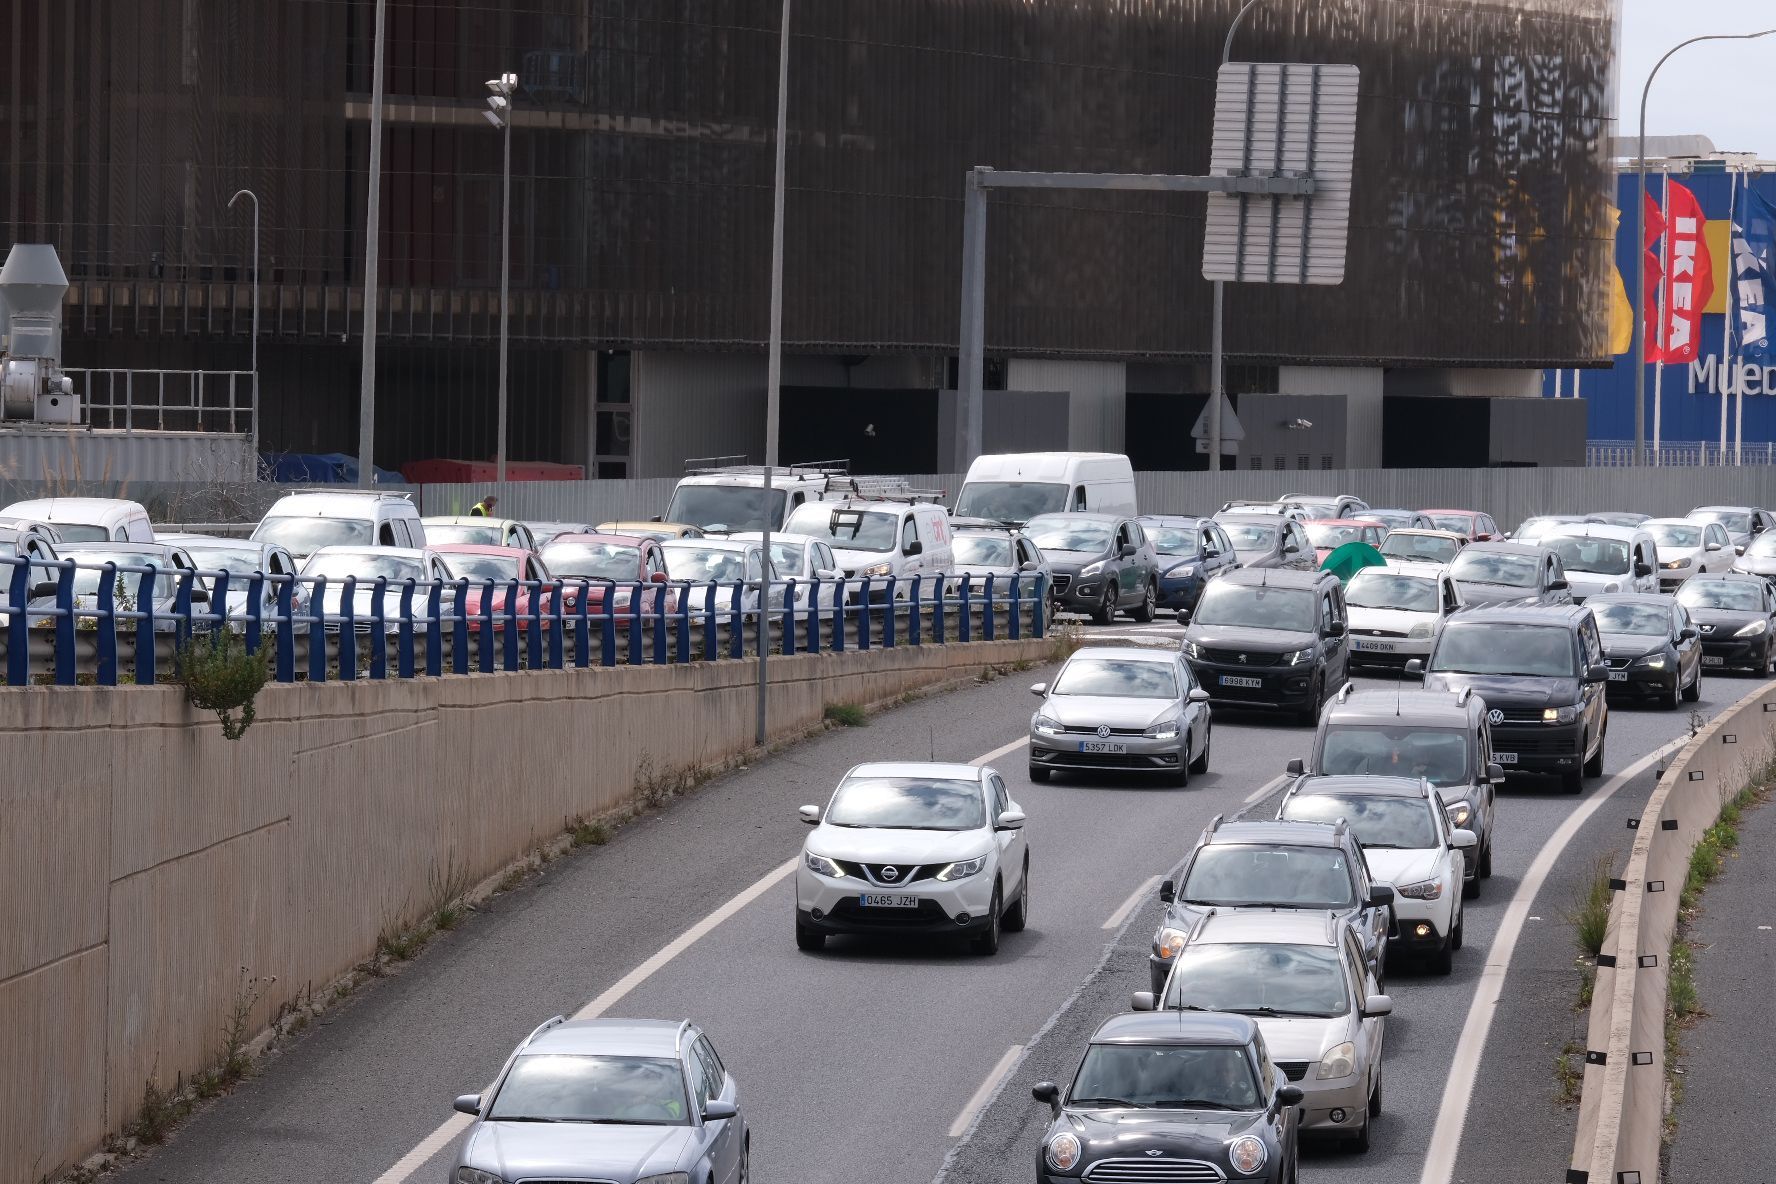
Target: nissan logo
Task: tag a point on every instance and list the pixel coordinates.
(1103, 730)
(890, 873)
(1495, 716)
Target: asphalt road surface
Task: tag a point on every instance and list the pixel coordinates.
(914, 1059)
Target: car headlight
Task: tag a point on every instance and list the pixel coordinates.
(1612, 586)
(878, 569)
(475, 1176)
(1063, 1151)
(1183, 571)
(666, 1178)
(962, 869)
(1420, 631)
(1674, 564)
(1459, 813)
(1168, 942)
(1045, 726)
(1298, 657)
(1559, 715)
(1753, 629)
(1192, 650)
(1247, 1154)
(1165, 729)
(1338, 1062)
(1091, 569)
(1651, 661)
(822, 865)
(1423, 890)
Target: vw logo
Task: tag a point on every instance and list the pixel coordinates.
(890, 873)
(1495, 716)
(1103, 730)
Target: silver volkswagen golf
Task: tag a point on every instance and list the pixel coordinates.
(624, 1101)
(1121, 709)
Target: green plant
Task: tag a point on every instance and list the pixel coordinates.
(160, 1113)
(221, 676)
(1064, 638)
(1681, 991)
(399, 945)
(1587, 981)
(448, 885)
(581, 833)
(1569, 1074)
(1590, 919)
(846, 715)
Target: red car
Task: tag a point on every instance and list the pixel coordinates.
(1329, 534)
(1477, 526)
(502, 565)
(618, 561)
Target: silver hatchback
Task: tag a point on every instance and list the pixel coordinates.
(1121, 709)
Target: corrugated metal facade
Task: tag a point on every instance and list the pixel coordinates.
(54, 457)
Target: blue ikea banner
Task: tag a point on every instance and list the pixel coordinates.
(1754, 275)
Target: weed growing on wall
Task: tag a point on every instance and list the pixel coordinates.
(220, 675)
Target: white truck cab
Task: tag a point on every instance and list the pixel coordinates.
(898, 532)
(720, 498)
(87, 519)
(305, 522)
(1014, 487)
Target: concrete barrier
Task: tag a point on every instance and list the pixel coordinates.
(145, 861)
(1622, 1108)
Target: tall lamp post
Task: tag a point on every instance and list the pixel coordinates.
(372, 243)
(1217, 362)
(499, 114)
(255, 429)
(1640, 236)
(774, 357)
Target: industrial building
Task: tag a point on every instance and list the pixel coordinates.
(641, 201)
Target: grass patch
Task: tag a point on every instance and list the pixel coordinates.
(581, 833)
(1569, 1074)
(846, 715)
(1064, 639)
(1590, 917)
(447, 885)
(398, 944)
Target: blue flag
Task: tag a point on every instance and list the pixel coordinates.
(1754, 276)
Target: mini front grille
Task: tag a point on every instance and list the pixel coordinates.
(1240, 658)
(1157, 1169)
(1293, 1070)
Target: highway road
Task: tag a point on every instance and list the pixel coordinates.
(911, 1059)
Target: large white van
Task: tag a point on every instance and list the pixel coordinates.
(305, 522)
(1014, 487)
(721, 498)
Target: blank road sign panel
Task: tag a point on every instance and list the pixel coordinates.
(1288, 119)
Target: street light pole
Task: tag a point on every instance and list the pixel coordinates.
(774, 358)
(499, 114)
(255, 428)
(372, 241)
(1217, 360)
(1640, 237)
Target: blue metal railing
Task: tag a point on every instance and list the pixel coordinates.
(122, 623)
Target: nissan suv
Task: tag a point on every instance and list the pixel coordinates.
(1542, 674)
(1270, 638)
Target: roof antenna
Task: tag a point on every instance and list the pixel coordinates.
(1397, 683)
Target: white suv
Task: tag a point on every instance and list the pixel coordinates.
(917, 848)
(305, 522)
(1408, 843)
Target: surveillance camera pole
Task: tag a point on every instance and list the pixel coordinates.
(500, 115)
(255, 428)
(773, 361)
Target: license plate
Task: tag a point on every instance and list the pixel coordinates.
(1384, 647)
(1618, 676)
(879, 900)
(1235, 680)
(1505, 758)
(1102, 746)
(1713, 660)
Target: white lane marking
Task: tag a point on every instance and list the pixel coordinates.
(1265, 790)
(1132, 903)
(453, 1126)
(1458, 1090)
(986, 1090)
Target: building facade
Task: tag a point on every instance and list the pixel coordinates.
(641, 214)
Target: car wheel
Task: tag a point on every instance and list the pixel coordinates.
(1471, 888)
(1461, 929)
(1149, 606)
(746, 1162)
(987, 942)
(1360, 1143)
(809, 939)
(1486, 861)
(1037, 773)
(1693, 692)
(1310, 711)
(1201, 763)
(1375, 1097)
(1019, 916)
(1670, 702)
(1572, 782)
(1443, 961)
(1594, 766)
(1105, 613)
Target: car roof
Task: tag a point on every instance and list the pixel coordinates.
(627, 540)
(777, 536)
(48, 509)
(988, 525)
(1337, 522)
(1450, 510)
(1275, 577)
(1177, 1027)
(1414, 531)
(467, 520)
(1132, 653)
(212, 541)
(1527, 614)
(1734, 509)
(1290, 834)
(1366, 783)
(619, 1037)
(1671, 522)
(481, 549)
(1650, 598)
(414, 553)
(1416, 705)
(1595, 530)
(1079, 516)
(1181, 520)
(1407, 567)
(936, 770)
(1735, 577)
(1292, 927)
(154, 548)
(1507, 547)
(724, 543)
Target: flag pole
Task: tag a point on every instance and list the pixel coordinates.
(1659, 326)
(1727, 334)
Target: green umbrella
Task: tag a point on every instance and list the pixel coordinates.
(1351, 558)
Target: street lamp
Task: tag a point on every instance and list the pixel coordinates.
(1217, 362)
(372, 244)
(499, 114)
(774, 357)
(1640, 238)
(255, 430)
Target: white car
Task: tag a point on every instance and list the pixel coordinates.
(1396, 611)
(1600, 559)
(305, 522)
(87, 519)
(802, 559)
(170, 561)
(1125, 709)
(1408, 843)
(1688, 548)
(879, 538)
(698, 564)
(241, 559)
(914, 847)
(476, 530)
(396, 565)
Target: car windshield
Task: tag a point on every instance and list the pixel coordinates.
(908, 803)
(1734, 521)
(1239, 874)
(83, 532)
(366, 568)
(854, 530)
(1312, 509)
(232, 560)
(1427, 547)
(1459, 523)
(982, 550)
(790, 559)
(1724, 594)
(1091, 538)
(593, 561)
(1010, 501)
(1764, 544)
(542, 532)
(1605, 557)
(1172, 540)
(485, 567)
(1388, 518)
(1279, 979)
(476, 535)
(732, 508)
(1118, 677)
(1250, 537)
(1440, 755)
(1390, 823)
(704, 565)
(1496, 567)
(638, 1091)
(1377, 587)
(1648, 620)
(305, 536)
(1256, 608)
(1165, 1077)
(86, 581)
(1672, 535)
(1534, 528)
(1334, 536)
(1503, 647)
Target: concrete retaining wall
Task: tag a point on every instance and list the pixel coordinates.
(145, 861)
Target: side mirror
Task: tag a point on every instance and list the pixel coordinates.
(1143, 1001)
(826, 573)
(1047, 1091)
(200, 596)
(1415, 666)
(1029, 565)
(658, 577)
(1011, 820)
(1688, 633)
(1039, 689)
(1168, 891)
(715, 1110)
(809, 815)
(1376, 1006)
(1462, 839)
(467, 1104)
(1738, 550)
(1197, 695)
(1643, 568)
(1290, 1095)
(47, 588)
(1558, 585)
(1712, 547)
(913, 548)
(1380, 895)
(656, 518)
(1597, 672)
(1290, 548)
(1125, 551)
(1495, 772)
(1335, 629)
(1296, 767)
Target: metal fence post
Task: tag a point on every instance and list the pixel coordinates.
(659, 616)
(1039, 607)
(840, 591)
(557, 627)
(987, 624)
(509, 642)
(317, 631)
(789, 621)
(146, 659)
(348, 630)
(64, 625)
(459, 628)
(583, 626)
(916, 609)
(683, 614)
(812, 645)
(607, 626)
(637, 656)
(863, 616)
(434, 628)
(965, 607)
(890, 614)
(378, 630)
(737, 635)
(404, 631)
(484, 639)
(218, 603)
(937, 614)
(18, 624)
(533, 649)
(107, 626)
(285, 641)
(1017, 609)
(711, 640)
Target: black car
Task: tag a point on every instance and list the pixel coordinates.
(1100, 563)
(1172, 1096)
(1270, 638)
(1269, 540)
(1652, 647)
(1191, 551)
(1735, 615)
(1510, 573)
(1541, 672)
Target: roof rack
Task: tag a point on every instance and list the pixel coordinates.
(1214, 825)
(390, 493)
(1340, 828)
(888, 489)
(1462, 696)
(1344, 693)
(541, 1028)
(738, 466)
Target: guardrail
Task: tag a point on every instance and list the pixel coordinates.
(142, 615)
(1689, 454)
(1621, 1111)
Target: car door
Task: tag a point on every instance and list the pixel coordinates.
(1721, 557)
(723, 1140)
(1371, 1030)
(1590, 654)
(1555, 589)
(1372, 922)
(1298, 549)
(1338, 645)
(1145, 563)
(1010, 842)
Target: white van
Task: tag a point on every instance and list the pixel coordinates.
(729, 499)
(878, 538)
(1600, 559)
(87, 519)
(305, 522)
(1014, 487)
